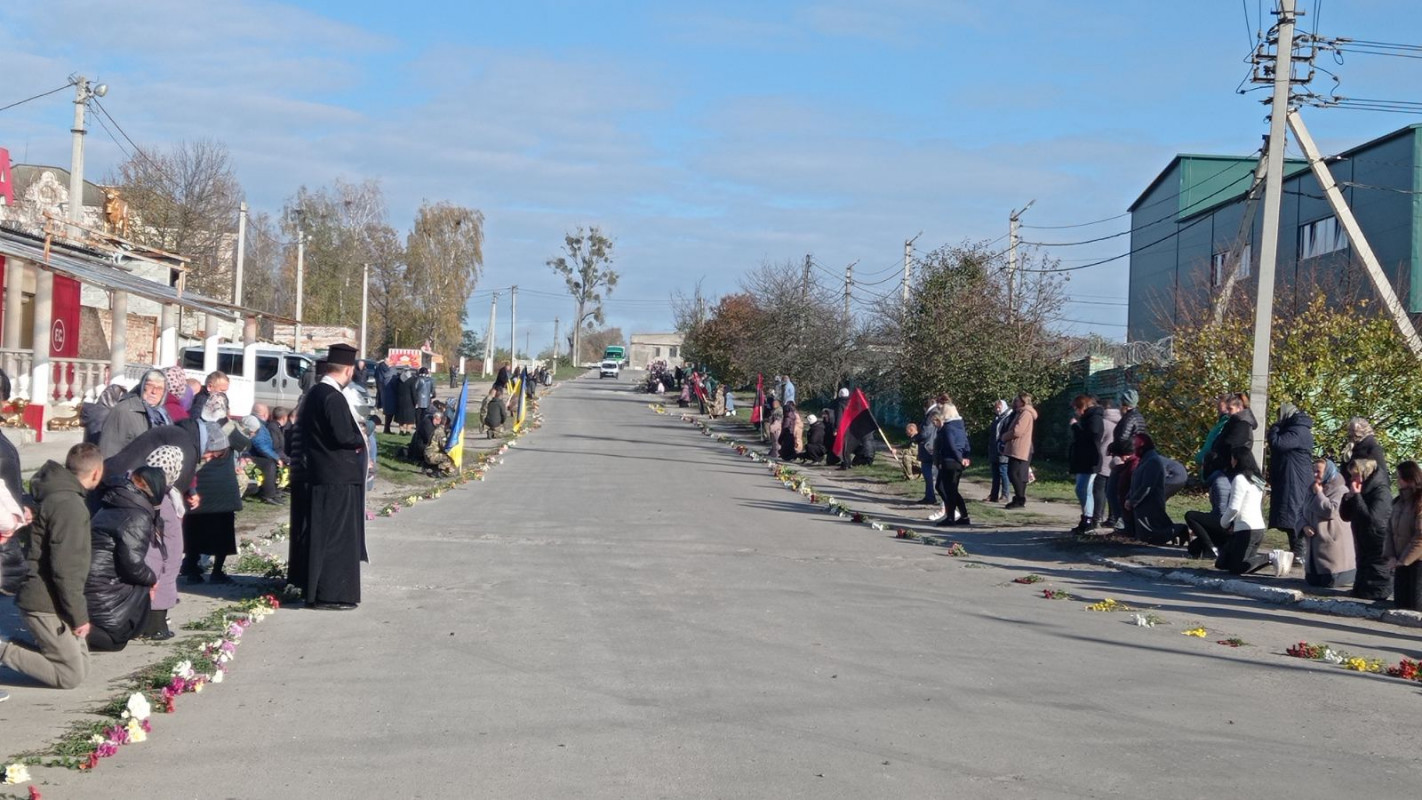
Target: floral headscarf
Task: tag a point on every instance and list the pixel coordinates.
(176, 380)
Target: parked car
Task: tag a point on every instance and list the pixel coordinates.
(277, 381)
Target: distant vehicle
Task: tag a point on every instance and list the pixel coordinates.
(616, 353)
(278, 378)
(609, 369)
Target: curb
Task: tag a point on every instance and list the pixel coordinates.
(1339, 607)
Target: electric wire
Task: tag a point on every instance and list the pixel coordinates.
(36, 97)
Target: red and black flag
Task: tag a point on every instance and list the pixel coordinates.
(856, 427)
(759, 399)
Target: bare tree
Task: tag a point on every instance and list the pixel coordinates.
(587, 269)
(184, 199)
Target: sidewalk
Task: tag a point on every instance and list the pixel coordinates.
(1039, 533)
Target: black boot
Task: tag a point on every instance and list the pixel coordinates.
(1081, 527)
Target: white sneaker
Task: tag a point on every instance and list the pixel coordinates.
(937, 515)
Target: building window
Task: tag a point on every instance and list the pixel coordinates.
(671, 352)
(656, 352)
(1221, 263)
(1321, 237)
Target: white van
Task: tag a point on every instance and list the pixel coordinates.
(277, 381)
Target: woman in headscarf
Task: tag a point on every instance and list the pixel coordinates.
(776, 422)
(180, 396)
(211, 527)
(93, 415)
(788, 437)
(1363, 444)
(1403, 546)
(140, 410)
(405, 401)
(117, 590)
(1368, 507)
(1328, 560)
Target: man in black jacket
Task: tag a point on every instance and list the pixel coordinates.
(52, 597)
(1123, 444)
(333, 447)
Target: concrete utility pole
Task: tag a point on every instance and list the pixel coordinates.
(300, 215)
(1273, 201)
(1014, 226)
(556, 321)
(513, 326)
(1356, 239)
(241, 253)
(489, 340)
(908, 264)
(848, 283)
(364, 306)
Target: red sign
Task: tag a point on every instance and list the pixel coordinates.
(404, 357)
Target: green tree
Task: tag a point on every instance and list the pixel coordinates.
(586, 267)
(725, 341)
(1332, 360)
(959, 335)
(445, 255)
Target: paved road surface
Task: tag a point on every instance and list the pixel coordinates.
(626, 609)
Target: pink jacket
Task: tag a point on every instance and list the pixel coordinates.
(1017, 439)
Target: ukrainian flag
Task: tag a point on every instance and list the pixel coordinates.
(455, 446)
(519, 408)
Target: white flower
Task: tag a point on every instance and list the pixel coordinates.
(97, 739)
(138, 707)
(183, 669)
(1331, 657)
(17, 773)
(217, 676)
(136, 733)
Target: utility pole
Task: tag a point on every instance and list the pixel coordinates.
(1282, 78)
(489, 340)
(1014, 226)
(242, 255)
(513, 326)
(364, 306)
(526, 334)
(908, 264)
(555, 342)
(848, 282)
(300, 215)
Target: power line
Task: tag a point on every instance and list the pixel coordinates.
(1173, 234)
(1077, 225)
(36, 97)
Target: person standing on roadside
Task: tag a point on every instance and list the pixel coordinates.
(1290, 474)
(997, 459)
(951, 453)
(1368, 508)
(1123, 446)
(1106, 504)
(1084, 458)
(333, 444)
(1403, 546)
(1017, 444)
(52, 601)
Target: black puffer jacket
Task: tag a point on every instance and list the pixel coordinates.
(1123, 442)
(13, 566)
(1238, 431)
(1083, 458)
(117, 589)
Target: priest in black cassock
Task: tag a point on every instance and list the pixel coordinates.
(328, 540)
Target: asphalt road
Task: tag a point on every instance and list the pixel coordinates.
(627, 609)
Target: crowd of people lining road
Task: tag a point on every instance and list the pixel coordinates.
(1344, 526)
(95, 550)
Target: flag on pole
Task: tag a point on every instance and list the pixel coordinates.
(455, 446)
(759, 399)
(856, 427)
(520, 406)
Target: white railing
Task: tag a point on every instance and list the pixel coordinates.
(70, 378)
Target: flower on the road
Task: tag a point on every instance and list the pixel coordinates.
(956, 550)
(1405, 669)
(17, 773)
(1148, 620)
(1233, 641)
(1056, 594)
(1307, 650)
(1359, 664)
(137, 707)
(1197, 632)
(1033, 578)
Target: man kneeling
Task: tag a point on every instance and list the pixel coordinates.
(52, 597)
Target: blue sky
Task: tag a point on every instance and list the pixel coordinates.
(706, 138)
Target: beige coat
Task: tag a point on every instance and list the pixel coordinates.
(1017, 440)
(1404, 538)
(1330, 537)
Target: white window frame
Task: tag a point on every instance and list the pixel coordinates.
(1321, 237)
(1220, 262)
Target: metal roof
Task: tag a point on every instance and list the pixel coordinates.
(104, 271)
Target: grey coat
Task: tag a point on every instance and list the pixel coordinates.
(126, 422)
(1330, 551)
(1147, 499)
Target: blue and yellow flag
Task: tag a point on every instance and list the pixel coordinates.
(455, 446)
(519, 407)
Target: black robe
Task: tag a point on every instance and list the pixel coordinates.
(334, 455)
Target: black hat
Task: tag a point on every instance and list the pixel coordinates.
(342, 355)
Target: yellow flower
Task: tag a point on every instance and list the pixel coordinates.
(1198, 633)
(135, 732)
(1105, 605)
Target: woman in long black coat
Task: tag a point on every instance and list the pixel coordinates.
(117, 589)
(405, 389)
(1290, 473)
(1368, 507)
(211, 527)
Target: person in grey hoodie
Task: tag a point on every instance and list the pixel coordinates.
(1106, 503)
(51, 601)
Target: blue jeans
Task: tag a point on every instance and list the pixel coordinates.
(930, 494)
(1218, 483)
(1083, 492)
(999, 481)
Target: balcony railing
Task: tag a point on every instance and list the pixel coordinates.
(70, 378)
